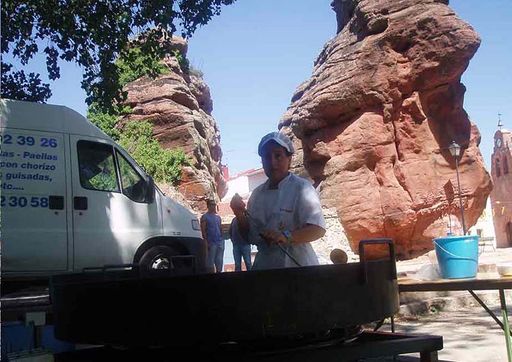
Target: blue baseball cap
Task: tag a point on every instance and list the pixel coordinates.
(280, 138)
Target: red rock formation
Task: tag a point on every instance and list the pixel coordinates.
(376, 118)
(501, 196)
(179, 106)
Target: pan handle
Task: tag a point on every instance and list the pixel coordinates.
(364, 262)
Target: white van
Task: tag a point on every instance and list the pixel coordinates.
(71, 198)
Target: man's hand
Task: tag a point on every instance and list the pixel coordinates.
(273, 237)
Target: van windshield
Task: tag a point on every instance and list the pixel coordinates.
(133, 184)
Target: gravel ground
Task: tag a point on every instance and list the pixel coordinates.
(469, 333)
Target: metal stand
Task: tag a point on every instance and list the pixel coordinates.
(505, 324)
(499, 284)
(367, 345)
(460, 196)
(504, 313)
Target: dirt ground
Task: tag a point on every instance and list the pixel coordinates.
(469, 333)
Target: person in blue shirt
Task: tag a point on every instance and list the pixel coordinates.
(212, 233)
(241, 246)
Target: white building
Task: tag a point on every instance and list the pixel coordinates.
(484, 226)
(244, 183)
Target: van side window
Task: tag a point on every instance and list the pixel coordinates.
(97, 166)
(132, 183)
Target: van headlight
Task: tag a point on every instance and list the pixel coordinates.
(195, 224)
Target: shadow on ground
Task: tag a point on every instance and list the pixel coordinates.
(469, 334)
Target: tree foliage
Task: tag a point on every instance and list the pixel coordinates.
(163, 165)
(17, 85)
(137, 136)
(104, 120)
(134, 64)
(92, 33)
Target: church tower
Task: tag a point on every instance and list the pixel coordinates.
(501, 195)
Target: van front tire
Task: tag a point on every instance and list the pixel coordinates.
(158, 257)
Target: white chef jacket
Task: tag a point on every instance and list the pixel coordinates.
(291, 206)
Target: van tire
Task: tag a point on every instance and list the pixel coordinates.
(158, 257)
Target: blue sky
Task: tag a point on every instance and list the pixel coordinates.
(257, 52)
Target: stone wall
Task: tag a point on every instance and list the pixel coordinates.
(334, 238)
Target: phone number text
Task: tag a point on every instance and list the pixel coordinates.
(7, 139)
(22, 201)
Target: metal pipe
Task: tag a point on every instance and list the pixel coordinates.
(288, 254)
(490, 312)
(460, 195)
(505, 324)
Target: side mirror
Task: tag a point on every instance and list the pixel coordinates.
(150, 190)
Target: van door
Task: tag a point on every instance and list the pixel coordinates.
(110, 217)
(33, 201)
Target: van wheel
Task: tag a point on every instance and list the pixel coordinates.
(158, 257)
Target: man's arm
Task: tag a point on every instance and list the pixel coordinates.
(230, 230)
(243, 224)
(305, 234)
(219, 225)
(310, 215)
(203, 227)
(238, 206)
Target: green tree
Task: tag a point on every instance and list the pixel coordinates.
(92, 33)
(134, 64)
(104, 120)
(137, 136)
(163, 165)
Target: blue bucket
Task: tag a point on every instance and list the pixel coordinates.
(457, 256)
